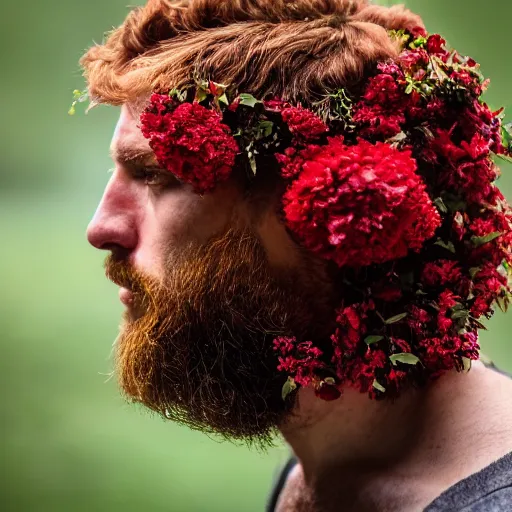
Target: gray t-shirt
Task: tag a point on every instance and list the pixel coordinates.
(489, 490)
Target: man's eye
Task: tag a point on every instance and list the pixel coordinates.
(153, 176)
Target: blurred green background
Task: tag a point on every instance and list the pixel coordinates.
(70, 443)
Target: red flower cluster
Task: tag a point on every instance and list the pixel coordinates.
(364, 198)
(190, 141)
(300, 360)
(380, 114)
(441, 272)
(358, 205)
(302, 122)
(366, 367)
(441, 354)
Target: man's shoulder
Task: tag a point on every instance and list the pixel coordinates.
(498, 501)
(489, 490)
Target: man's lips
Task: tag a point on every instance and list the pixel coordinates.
(126, 296)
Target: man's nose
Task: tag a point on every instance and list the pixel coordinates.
(114, 222)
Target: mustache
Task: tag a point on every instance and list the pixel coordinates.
(123, 274)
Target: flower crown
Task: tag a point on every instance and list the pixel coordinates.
(395, 186)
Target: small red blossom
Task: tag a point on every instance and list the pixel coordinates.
(447, 299)
(375, 122)
(384, 90)
(327, 392)
(436, 44)
(233, 106)
(459, 225)
(304, 123)
(412, 58)
(465, 78)
(418, 319)
(190, 141)
(445, 353)
(440, 272)
(299, 360)
(359, 205)
(276, 105)
(489, 285)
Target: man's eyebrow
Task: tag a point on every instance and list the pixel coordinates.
(132, 155)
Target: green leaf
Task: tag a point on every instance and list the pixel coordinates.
(180, 95)
(373, 339)
(419, 42)
(201, 95)
(288, 387)
(454, 203)
(473, 271)
(224, 99)
(405, 358)
(466, 364)
(248, 100)
(395, 319)
(446, 245)
(461, 313)
(264, 129)
(252, 163)
(440, 205)
(477, 241)
(72, 110)
(378, 387)
(478, 324)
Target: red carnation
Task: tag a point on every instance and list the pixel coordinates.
(304, 123)
(359, 205)
(301, 121)
(190, 141)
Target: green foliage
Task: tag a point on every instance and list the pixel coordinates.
(369, 340)
(477, 241)
(288, 387)
(446, 245)
(404, 358)
(248, 100)
(78, 97)
(395, 319)
(378, 386)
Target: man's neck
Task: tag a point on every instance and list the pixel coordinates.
(427, 440)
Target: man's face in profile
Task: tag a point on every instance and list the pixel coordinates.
(207, 284)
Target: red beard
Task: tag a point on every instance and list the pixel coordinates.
(199, 351)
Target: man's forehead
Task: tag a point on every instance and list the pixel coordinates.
(128, 144)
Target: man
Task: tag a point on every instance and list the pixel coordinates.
(298, 220)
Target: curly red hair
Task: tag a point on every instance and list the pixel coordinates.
(298, 50)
